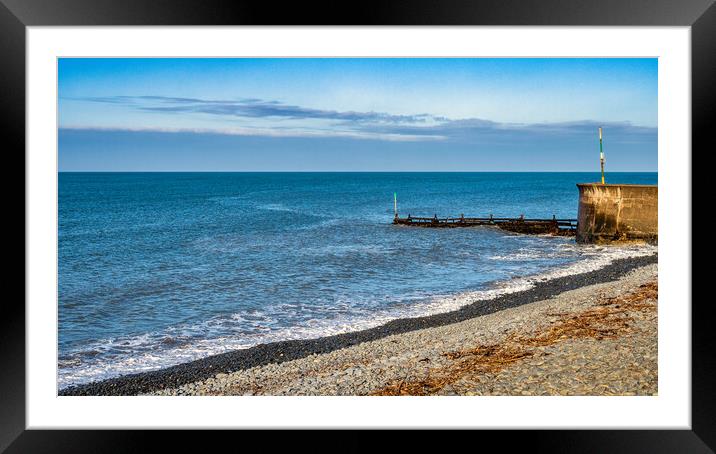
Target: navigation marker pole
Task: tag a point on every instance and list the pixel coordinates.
(395, 203)
(601, 153)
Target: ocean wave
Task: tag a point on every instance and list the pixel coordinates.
(277, 207)
(597, 257)
(349, 249)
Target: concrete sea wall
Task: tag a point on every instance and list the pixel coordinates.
(617, 212)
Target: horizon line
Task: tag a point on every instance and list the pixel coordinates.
(354, 171)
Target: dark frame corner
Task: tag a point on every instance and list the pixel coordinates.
(16, 15)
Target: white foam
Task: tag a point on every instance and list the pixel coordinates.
(342, 250)
(277, 207)
(522, 254)
(598, 257)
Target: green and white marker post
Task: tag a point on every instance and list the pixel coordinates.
(601, 153)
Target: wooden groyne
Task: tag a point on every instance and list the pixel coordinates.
(552, 226)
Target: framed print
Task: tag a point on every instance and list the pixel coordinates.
(434, 217)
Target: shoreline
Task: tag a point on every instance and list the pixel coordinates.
(600, 339)
(284, 351)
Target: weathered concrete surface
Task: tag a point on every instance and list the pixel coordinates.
(617, 212)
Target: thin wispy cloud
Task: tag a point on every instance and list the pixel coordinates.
(298, 121)
(468, 129)
(264, 132)
(252, 107)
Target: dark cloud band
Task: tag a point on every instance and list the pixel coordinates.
(427, 126)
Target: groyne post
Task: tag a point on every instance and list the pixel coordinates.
(601, 153)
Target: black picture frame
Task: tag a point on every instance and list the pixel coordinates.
(16, 15)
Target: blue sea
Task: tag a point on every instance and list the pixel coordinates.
(157, 269)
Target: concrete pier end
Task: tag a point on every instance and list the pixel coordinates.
(617, 213)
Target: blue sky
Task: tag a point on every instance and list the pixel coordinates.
(356, 114)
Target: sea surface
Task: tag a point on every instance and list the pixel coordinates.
(157, 269)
